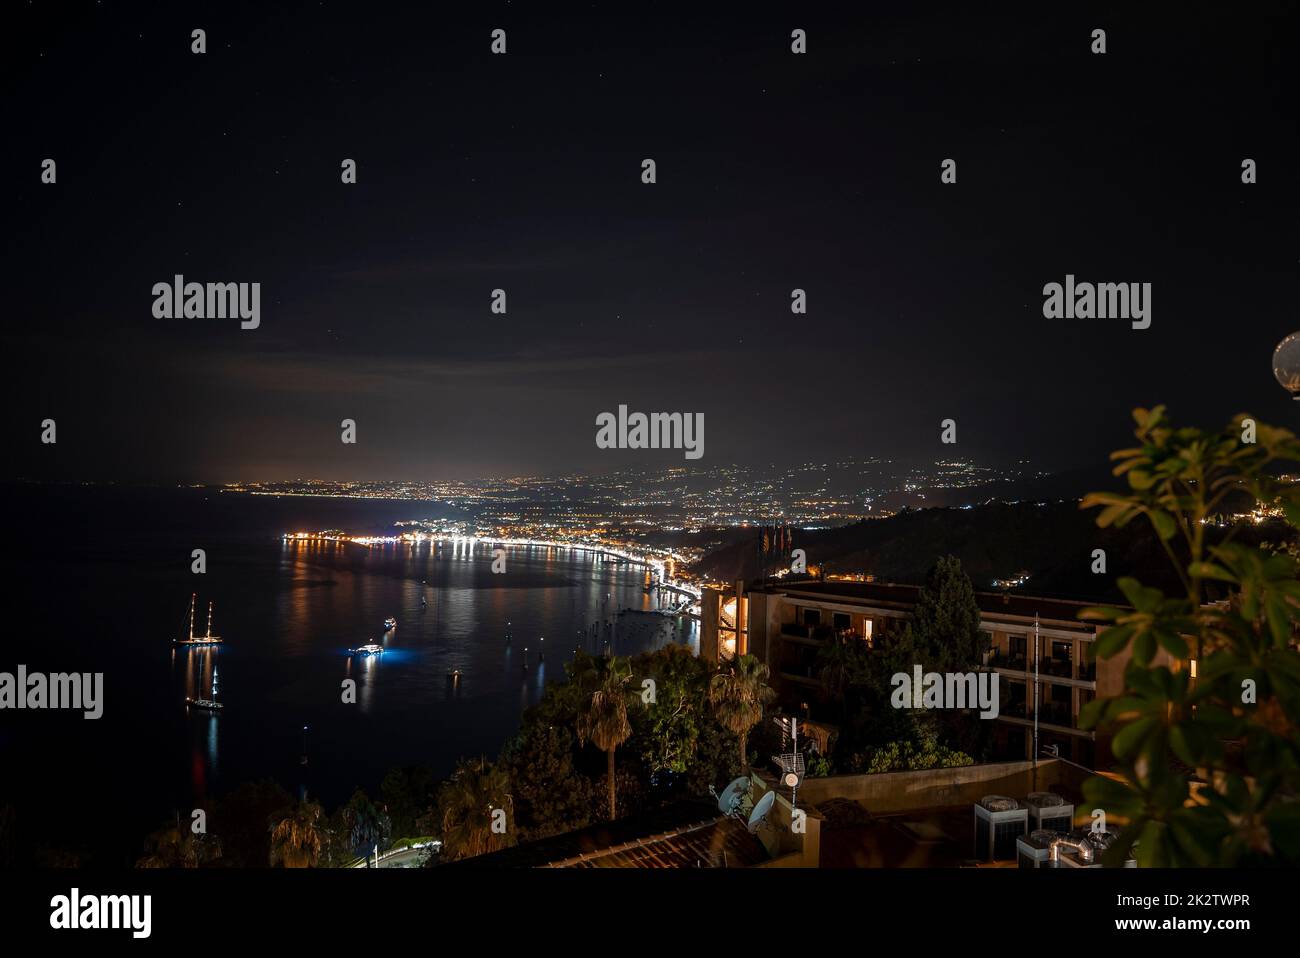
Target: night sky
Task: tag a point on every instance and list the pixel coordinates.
(523, 172)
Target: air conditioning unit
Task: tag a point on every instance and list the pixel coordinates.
(1049, 811)
(1033, 850)
(999, 821)
(1068, 858)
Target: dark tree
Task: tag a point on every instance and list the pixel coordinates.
(946, 620)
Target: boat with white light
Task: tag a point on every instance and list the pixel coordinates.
(370, 648)
(389, 624)
(207, 705)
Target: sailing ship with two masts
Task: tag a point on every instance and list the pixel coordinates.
(191, 638)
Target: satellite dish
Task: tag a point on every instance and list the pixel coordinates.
(733, 795)
(759, 814)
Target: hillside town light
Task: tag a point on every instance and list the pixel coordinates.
(1286, 364)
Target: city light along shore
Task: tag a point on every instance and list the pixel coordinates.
(661, 567)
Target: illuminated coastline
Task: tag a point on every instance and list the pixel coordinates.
(662, 563)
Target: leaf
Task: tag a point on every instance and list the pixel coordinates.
(1165, 526)
(1133, 591)
(1129, 739)
(1111, 514)
(1150, 846)
(1140, 480)
(1116, 797)
(1112, 641)
(1283, 821)
(1091, 713)
(1191, 839)
(1210, 570)
(1182, 747)
(1125, 705)
(1103, 613)
(1172, 643)
(1144, 648)
(1093, 499)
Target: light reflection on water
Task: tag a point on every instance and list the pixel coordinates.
(284, 663)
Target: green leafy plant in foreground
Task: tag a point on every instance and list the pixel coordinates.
(1209, 766)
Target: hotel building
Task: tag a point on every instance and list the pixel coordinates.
(786, 623)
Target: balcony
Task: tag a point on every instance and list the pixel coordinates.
(804, 680)
(1047, 668)
(1060, 668)
(997, 659)
(1055, 713)
(1013, 662)
(1049, 713)
(804, 635)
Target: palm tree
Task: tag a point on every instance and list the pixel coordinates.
(170, 848)
(367, 825)
(604, 720)
(836, 666)
(467, 801)
(296, 840)
(738, 696)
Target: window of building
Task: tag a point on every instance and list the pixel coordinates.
(1057, 707)
(1016, 744)
(1015, 697)
(812, 617)
(841, 621)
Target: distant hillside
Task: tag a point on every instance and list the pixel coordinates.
(1052, 541)
(1047, 487)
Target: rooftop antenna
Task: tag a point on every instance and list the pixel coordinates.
(793, 768)
(1035, 693)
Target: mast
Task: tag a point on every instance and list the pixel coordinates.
(209, 620)
(193, 597)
